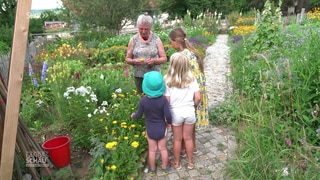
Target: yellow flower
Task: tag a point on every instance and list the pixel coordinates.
(101, 120)
(113, 132)
(110, 145)
(108, 168)
(135, 144)
(121, 95)
(133, 125)
(125, 138)
(106, 128)
(136, 136)
(113, 167)
(102, 161)
(114, 122)
(123, 124)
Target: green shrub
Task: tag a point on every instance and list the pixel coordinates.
(6, 34)
(4, 48)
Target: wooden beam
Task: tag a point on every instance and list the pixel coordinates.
(18, 52)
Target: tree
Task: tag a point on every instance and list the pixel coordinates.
(36, 26)
(7, 12)
(178, 8)
(7, 17)
(109, 14)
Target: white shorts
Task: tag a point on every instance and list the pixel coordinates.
(183, 115)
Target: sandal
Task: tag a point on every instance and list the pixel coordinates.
(166, 170)
(195, 151)
(183, 153)
(152, 172)
(177, 166)
(190, 165)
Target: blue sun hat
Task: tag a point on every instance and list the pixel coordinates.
(153, 84)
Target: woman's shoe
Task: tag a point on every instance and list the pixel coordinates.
(177, 166)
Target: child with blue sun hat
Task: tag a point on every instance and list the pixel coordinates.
(155, 108)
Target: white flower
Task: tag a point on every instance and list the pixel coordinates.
(102, 76)
(39, 102)
(103, 110)
(89, 115)
(93, 97)
(118, 90)
(285, 172)
(87, 100)
(104, 103)
(66, 94)
(82, 91)
(115, 106)
(95, 111)
(70, 89)
(232, 27)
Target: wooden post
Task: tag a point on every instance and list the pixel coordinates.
(20, 36)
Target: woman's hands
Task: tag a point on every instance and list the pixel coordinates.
(151, 61)
(140, 61)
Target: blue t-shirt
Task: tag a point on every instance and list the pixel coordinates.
(157, 113)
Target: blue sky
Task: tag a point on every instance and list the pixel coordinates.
(45, 4)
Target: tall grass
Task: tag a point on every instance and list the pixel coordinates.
(278, 93)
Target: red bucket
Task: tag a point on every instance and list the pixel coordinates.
(59, 150)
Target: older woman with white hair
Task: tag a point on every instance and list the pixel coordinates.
(145, 51)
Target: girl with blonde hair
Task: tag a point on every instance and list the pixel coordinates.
(179, 41)
(182, 92)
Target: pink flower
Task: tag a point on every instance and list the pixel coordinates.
(288, 141)
(126, 73)
(77, 75)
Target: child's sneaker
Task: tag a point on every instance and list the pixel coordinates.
(152, 172)
(166, 170)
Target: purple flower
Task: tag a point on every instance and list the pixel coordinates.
(35, 82)
(44, 72)
(288, 142)
(30, 70)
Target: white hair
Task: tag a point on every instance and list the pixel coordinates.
(145, 19)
